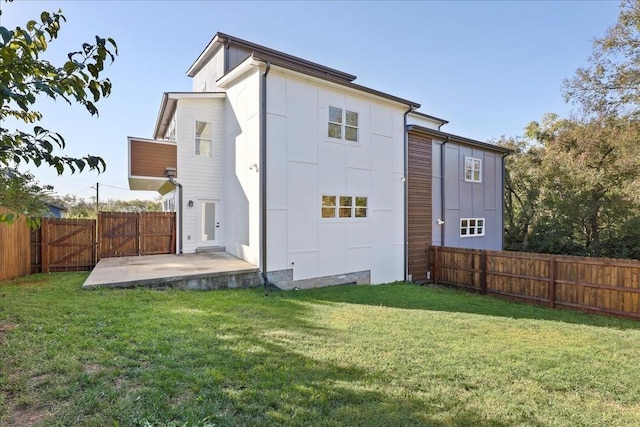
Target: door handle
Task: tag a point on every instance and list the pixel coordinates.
(217, 225)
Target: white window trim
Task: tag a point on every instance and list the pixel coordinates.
(343, 125)
(337, 206)
(195, 139)
(473, 159)
(468, 227)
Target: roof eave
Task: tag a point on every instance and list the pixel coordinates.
(458, 139)
(303, 70)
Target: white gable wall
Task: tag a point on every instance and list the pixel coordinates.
(205, 79)
(303, 165)
(241, 168)
(201, 177)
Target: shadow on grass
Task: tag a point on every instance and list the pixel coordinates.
(190, 358)
(437, 298)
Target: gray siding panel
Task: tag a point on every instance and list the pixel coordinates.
(468, 200)
(490, 182)
(236, 56)
(452, 175)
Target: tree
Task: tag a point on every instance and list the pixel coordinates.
(589, 182)
(20, 192)
(25, 76)
(522, 184)
(610, 84)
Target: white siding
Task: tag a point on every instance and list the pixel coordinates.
(415, 119)
(205, 79)
(303, 165)
(201, 177)
(242, 151)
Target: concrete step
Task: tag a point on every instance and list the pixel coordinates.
(209, 249)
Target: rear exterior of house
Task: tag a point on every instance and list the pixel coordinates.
(291, 166)
(455, 193)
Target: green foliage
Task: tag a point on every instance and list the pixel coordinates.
(392, 355)
(586, 169)
(575, 186)
(24, 76)
(610, 83)
(21, 193)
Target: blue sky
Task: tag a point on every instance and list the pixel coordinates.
(487, 67)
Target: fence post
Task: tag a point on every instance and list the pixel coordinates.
(435, 265)
(44, 246)
(483, 272)
(552, 282)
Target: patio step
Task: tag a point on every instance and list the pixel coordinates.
(209, 249)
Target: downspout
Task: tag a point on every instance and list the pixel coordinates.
(441, 222)
(179, 186)
(502, 202)
(405, 180)
(263, 172)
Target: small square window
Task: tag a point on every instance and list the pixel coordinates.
(361, 207)
(328, 206)
(342, 124)
(472, 169)
(335, 131)
(346, 204)
(335, 115)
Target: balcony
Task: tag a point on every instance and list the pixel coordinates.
(148, 160)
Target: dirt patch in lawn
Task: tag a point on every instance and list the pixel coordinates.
(26, 417)
(4, 328)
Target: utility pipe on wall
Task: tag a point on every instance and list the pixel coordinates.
(502, 201)
(171, 173)
(442, 193)
(263, 172)
(406, 194)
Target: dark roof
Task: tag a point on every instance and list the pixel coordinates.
(55, 206)
(290, 62)
(458, 139)
(437, 119)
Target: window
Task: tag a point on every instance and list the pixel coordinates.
(471, 227)
(342, 124)
(203, 139)
(472, 169)
(361, 207)
(328, 206)
(348, 207)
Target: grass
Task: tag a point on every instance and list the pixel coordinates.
(386, 355)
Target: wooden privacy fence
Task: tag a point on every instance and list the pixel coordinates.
(74, 244)
(131, 234)
(14, 248)
(604, 285)
(64, 245)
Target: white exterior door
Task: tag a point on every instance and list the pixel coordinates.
(209, 223)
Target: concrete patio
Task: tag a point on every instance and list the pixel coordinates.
(200, 271)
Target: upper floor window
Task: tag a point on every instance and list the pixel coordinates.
(203, 139)
(342, 124)
(471, 227)
(472, 169)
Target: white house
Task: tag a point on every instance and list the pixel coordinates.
(293, 167)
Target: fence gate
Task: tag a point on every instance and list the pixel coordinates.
(67, 244)
(132, 234)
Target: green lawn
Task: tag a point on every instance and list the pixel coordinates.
(386, 355)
